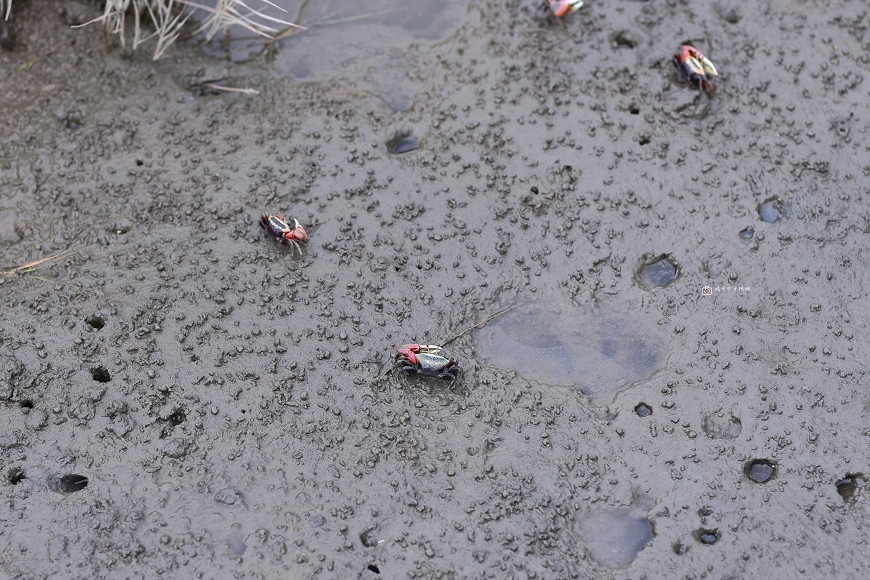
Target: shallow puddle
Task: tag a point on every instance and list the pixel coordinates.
(353, 40)
(770, 211)
(600, 351)
(760, 470)
(658, 271)
(705, 536)
(614, 537)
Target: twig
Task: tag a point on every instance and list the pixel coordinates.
(479, 324)
(31, 266)
(230, 89)
(354, 18)
(290, 29)
(33, 61)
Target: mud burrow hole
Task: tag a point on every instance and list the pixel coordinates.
(70, 483)
(16, 475)
(101, 374)
(760, 470)
(95, 321)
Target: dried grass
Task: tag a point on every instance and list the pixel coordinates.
(168, 17)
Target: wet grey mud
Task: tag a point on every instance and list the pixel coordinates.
(182, 395)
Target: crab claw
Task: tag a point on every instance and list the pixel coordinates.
(696, 67)
(410, 351)
(690, 52)
(298, 233)
(709, 69)
(564, 7)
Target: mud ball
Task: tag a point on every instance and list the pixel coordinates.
(657, 272)
(228, 496)
(747, 233)
(760, 470)
(643, 410)
(770, 210)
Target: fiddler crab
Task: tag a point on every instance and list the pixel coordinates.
(565, 7)
(696, 68)
(279, 227)
(425, 360)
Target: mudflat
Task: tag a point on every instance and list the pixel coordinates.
(678, 386)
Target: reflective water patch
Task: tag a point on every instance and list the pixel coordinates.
(614, 537)
(601, 351)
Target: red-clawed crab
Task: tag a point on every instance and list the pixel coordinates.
(425, 360)
(696, 68)
(565, 7)
(277, 226)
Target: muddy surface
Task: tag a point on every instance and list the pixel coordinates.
(182, 396)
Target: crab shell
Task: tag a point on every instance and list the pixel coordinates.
(564, 7)
(421, 359)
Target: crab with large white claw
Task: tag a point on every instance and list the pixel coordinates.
(696, 67)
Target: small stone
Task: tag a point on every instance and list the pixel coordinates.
(228, 496)
(36, 420)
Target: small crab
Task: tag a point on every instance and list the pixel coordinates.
(696, 68)
(278, 226)
(425, 360)
(565, 7)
